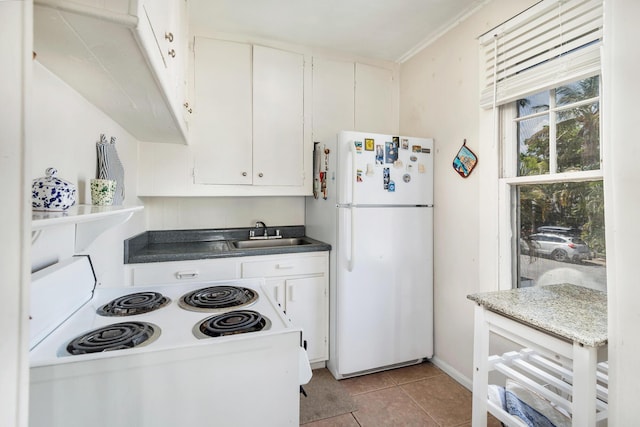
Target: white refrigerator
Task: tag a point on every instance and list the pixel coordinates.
(373, 202)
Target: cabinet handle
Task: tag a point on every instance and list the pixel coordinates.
(187, 274)
(172, 53)
(186, 105)
(168, 36)
(284, 266)
(260, 174)
(244, 174)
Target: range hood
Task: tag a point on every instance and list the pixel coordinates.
(113, 57)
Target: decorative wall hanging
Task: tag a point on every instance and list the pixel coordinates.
(465, 161)
(317, 156)
(323, 180)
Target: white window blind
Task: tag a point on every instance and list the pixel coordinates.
(552, 43)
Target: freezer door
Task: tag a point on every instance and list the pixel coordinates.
(384, 287)
(376, 169)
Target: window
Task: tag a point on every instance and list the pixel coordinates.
(540, 76)
(551, 171)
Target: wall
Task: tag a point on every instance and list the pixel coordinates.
(439, 97)
(65, 128)
(167, 213)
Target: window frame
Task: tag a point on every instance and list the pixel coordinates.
(508, 182)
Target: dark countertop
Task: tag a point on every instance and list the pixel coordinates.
(575, 313)
(184, 245)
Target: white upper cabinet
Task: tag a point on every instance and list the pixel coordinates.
(248, 124)
(128, 58)
(333, 98)
(278, 117)
(252, 132)
(349, 95)
(375, 99)
(221, 127)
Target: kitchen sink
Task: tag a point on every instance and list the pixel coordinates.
(269, 243)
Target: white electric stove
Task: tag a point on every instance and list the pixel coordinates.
(201, 354)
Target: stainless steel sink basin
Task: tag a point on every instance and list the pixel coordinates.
(269, 243)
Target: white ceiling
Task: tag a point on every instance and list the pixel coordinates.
(383, 29)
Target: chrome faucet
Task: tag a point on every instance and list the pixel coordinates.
(263, 225)
(253, 234)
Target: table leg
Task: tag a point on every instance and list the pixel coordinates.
(480, 368)
(585, 360)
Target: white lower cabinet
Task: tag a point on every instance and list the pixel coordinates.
(300, 284)
(158, 273)
(303, 301)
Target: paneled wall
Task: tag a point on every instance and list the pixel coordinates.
(439, 97)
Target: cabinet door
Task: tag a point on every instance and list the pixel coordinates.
(276, 287)
(307, 307)
(159, 14)
(374, 99)
(180, 45)
(278, 117)
(333, 98)
(221, 128)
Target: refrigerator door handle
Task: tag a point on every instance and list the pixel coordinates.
(353, 175)
(352, 239)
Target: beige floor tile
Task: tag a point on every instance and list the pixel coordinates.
(345, 420)
(414, 373)
(442, 398)
(418, 395)
(491, 422)
(390, 407)
(367, 383)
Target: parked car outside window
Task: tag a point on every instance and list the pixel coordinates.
(557, 229)
(563, 248)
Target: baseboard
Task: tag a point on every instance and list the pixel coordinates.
(318, 365)
(453, 373)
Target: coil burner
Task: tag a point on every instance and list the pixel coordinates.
(218, 298)
(132, 304)
(231, 323)
(118, 336)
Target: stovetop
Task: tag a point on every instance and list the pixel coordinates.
(175, 323)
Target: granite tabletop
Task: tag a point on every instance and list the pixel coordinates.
(574, 313)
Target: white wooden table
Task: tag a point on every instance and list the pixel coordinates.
(564, 327)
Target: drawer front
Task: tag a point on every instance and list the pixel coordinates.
(181, 272)
(289, 266)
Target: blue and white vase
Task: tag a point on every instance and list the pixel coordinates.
(51, 193)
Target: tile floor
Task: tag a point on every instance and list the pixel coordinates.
(418, 395)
